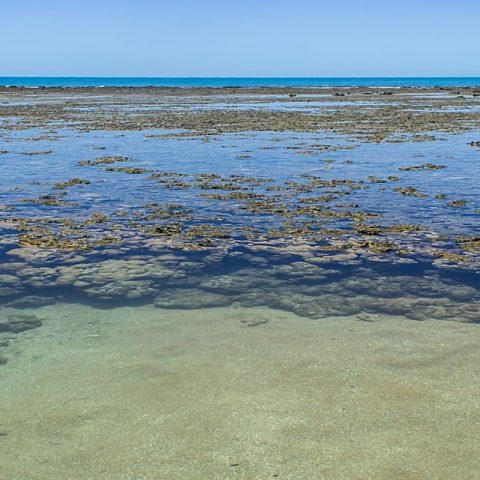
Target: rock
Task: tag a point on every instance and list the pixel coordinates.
(313, 307)
(191, 299)
(255, 321)
(20, 323)
(128, 289)
(31, 301)
(365, 317)
(9, 280)
(391, 306)
(8, 292)
(242, 281)
(42, 256)
(462, 293)
(255, 299)
(305, 271)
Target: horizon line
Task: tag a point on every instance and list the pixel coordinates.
(240, 77)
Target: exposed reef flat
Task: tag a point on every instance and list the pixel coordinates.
(368, 114)
(229, 393)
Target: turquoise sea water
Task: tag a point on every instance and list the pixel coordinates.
(240, 82)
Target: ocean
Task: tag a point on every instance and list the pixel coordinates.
(240, 81)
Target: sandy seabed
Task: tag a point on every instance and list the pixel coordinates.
(232, 393)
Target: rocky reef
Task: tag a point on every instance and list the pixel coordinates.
(305, 281)
(324, 230)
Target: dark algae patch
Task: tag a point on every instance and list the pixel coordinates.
(423, 166)
(70, 183)
(103, 161)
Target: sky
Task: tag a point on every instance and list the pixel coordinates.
(240, 38)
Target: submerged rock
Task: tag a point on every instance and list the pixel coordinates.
(8, 292)
(191, 299)
(128, 289)
(20, 323)
(31, 301)
(241, 281)
(9, 280)
(462, 293)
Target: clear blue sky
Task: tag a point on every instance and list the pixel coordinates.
(240, 38)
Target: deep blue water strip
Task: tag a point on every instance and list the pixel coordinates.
(240, 82)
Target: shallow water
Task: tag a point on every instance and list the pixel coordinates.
(139, 392)
(276, 157)
(243, 305)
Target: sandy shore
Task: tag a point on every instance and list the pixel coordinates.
(144, 393)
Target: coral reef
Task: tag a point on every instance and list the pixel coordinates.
(300, 280)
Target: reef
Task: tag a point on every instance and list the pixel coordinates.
(330, 239)
(457, 203)
(103, 161)
(388, 115)
(410, 191)
(70, 183)
(423, 166)
(309, 282)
